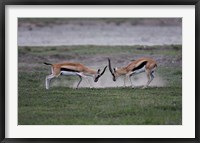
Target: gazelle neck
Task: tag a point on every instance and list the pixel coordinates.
(90, 72)
(121, 71)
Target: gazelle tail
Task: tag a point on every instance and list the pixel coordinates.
(47, 63)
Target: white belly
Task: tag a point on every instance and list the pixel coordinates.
(67, 73)
(139, 70)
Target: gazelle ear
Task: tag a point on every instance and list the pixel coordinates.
(98, 71)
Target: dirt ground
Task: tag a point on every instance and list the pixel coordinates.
(48, 32)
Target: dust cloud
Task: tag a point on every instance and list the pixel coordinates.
(106, 81)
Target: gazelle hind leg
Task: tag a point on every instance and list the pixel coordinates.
(48, 79)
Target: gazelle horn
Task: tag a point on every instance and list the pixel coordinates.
(97, 78)
(110, 68)
(103, 71)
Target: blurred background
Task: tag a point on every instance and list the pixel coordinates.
(101, 31)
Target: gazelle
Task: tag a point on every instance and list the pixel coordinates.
(147, 65)
(73, 69)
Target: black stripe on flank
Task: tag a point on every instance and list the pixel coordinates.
(69, 70)
(140, 66)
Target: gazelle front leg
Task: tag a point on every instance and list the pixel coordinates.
(125, 77)
(88, 81)
(129, 76)
(79, 81)
(81, 76)
(132, 85)
(150, 77)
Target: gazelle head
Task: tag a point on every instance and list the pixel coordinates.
(113, 71)
(99, 74)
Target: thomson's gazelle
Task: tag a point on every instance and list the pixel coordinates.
(73, 69)
(147, 65)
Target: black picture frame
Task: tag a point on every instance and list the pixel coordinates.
(4, 3)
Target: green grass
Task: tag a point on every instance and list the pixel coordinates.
(110, 106)
(61, 105)
(103, 50)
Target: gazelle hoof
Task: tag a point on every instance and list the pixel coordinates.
(144, 87)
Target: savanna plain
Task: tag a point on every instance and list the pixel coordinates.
(108, 102)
